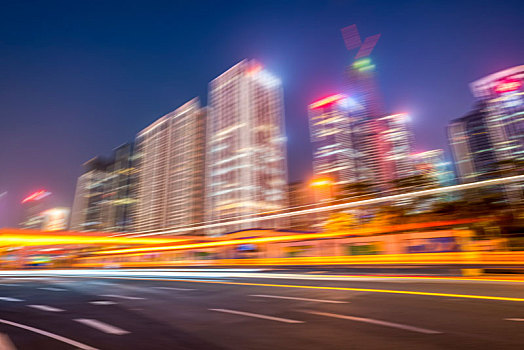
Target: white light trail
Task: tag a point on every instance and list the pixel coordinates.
(392, 198)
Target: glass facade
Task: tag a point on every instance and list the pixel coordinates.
(246, 154)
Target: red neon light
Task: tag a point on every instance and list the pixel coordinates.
(36, 196)
(254, 69)
(508, 85)
(327, 101)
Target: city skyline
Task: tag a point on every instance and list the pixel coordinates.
(301, 160)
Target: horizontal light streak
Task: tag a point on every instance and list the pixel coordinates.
(372, 201)
(296, 237)
(350, 289)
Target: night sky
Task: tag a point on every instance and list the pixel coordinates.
(78, 78)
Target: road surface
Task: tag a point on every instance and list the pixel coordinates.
(239, 309)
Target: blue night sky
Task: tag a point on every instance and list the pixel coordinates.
(78, 78)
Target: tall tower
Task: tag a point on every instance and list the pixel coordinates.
(246, 153)
(331, 138)
(363, 90)
(170, 163)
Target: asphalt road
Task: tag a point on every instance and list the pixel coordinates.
(256, 310)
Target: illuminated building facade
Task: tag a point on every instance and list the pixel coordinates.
(331, 138)
(32, 208)
(396, 146)
(104, 196)
(88, 207)
(246, 153)
(472, 147)
(433, 165)
(170, 162)
(491, 137)
(503, 96)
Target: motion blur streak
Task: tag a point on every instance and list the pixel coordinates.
(148, 275)
(398, 197)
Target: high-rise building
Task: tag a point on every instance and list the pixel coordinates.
(88, 208)
(170, 162)
(472, 147)
(246, 152)
(502, 93)
(104, 196)
(331, 138)
(395, 143)
(434, 167)
(491, 137)
(32, 207)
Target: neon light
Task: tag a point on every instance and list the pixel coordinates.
(36, 196)
(254, 69)
(361, 63)
(507, 86)
(327, 101)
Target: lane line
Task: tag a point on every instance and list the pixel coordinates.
(515, 319)
(10, 299)
(172, 288)
(46, 308)
(53, 289)
(102, 302)
(6, 343)
(8, 285)
(369, 290)
(101, 326)
(122, 297)
(50, 335)
(373, 321)
(249, 314)
(297, 298)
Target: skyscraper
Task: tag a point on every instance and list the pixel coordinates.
(491, 137)
(170, 163)
(246, 153)
(472, 147)
(331, 138)
(104, 196)
(395, 145)
(502, 93)
(88, 208)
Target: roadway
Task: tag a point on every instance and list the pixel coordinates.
(256, 309)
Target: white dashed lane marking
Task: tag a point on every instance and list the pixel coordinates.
(297, 298)
(46, 308)
(101, 326)
(102, 302)
(249, 314)
(515, 319)
(10, 299)
(122, 297)
(373, 321)
(50, 335)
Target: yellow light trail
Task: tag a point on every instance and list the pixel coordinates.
(297, 237)
(350, 289)
(49, 239)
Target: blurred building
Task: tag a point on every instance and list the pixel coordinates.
(104, 196)
(434, 167)
(32, 208)
(396, 146)
(472, 147)
(331, 139)
(170, 163)
(246, 152)
(489, 141)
